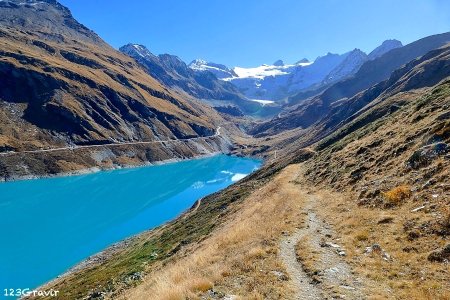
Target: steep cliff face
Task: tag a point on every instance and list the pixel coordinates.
(46, 19)
(61, 84)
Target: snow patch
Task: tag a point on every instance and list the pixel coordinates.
(265, 70)
(262, 102)
(238, 176)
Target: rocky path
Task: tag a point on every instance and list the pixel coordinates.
(304, 289)
(332, 278)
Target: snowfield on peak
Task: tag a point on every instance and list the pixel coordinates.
(277, 82)
(141, 50)
(265, 70)
(221, 71)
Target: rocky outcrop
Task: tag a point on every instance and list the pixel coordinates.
(440, 255)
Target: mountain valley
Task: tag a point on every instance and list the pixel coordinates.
(352, 200)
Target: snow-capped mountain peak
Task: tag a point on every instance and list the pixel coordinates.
(140, 50)
(350, 65)
(221, 71)
(279, 80)
(198, 63)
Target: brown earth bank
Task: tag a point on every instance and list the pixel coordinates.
(93, 96)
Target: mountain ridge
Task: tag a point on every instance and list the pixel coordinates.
(304, 113)
(278, 81)
(171, 71)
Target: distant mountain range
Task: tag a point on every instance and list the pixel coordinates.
(306, 112)
(278, 81)
(171, 71)
(241, 90)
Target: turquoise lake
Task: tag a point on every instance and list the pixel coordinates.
(49, 225)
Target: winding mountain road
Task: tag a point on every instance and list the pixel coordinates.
(217, 133)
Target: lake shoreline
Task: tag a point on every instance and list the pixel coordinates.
(109, 252)
(28, 166)
(92, 170)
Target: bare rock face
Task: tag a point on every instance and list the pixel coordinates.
(423, 156)
(45, 18)
(385, 47)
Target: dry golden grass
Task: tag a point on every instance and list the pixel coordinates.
(362, 235)
(397, 195)
(307, 256)
(361, 165)
(408, 274)
(240, 257)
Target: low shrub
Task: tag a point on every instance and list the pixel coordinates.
(397, 195)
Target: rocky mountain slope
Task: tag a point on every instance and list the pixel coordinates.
(372, 72)
(61, 85)
(362, 198)
(171, 71)
(278, 81)
(385, 47)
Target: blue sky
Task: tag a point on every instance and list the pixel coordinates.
(253, 32)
